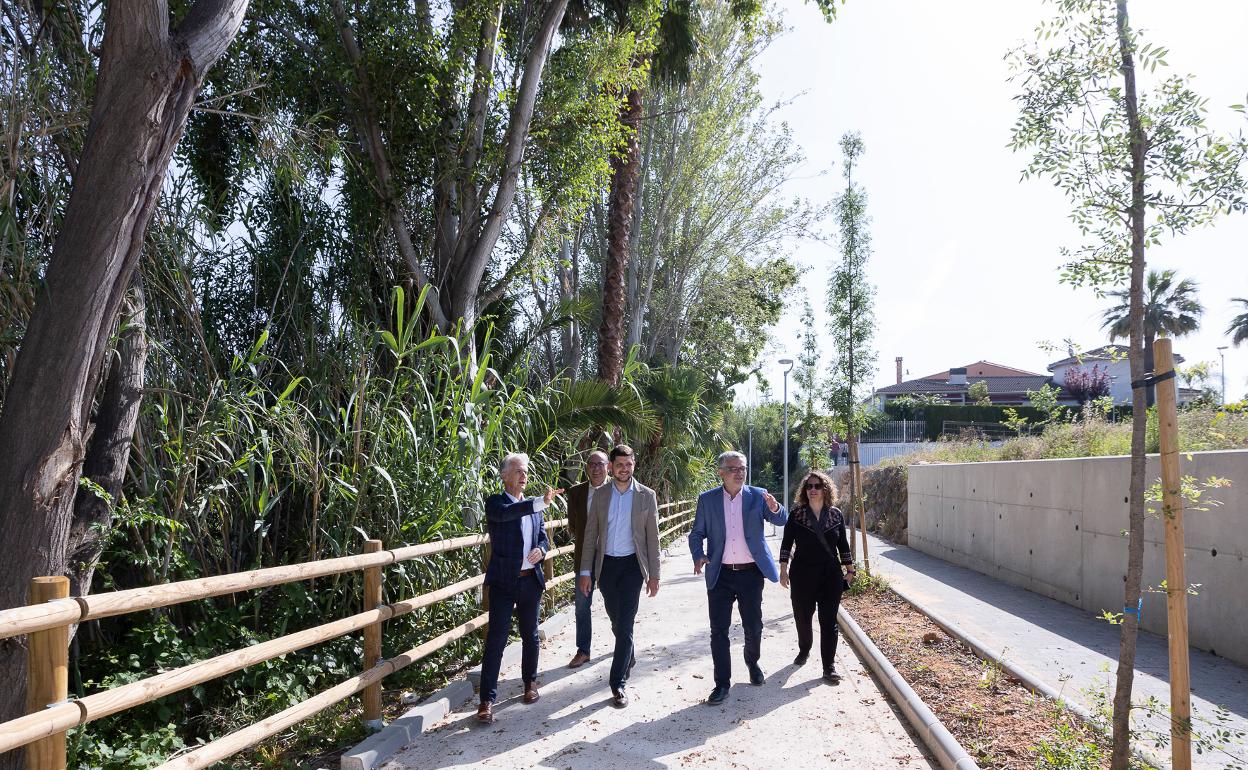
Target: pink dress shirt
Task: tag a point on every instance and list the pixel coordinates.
(736, 551)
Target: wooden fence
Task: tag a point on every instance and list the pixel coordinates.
(50, 711)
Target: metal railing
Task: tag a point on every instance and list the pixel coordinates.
(52, 612)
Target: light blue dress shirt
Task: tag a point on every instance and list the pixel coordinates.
(620, 521)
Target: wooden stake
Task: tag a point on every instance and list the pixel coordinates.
(47, 679)
(1176, 574)
(857, 509)
(485, 590)
(372, 640)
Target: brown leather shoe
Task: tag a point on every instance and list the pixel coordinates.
(530, 693)
(485, 713)
(619, 698)
(578, 660)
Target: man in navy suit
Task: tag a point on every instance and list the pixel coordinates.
(514, 576)
(727, 538)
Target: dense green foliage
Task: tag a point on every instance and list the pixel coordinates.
(297, 403)
(936, 415)
(1200, 430)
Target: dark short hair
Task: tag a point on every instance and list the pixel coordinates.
(621, 450)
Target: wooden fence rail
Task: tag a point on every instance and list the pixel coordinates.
(49, 617)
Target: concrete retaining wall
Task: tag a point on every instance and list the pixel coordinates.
(1056, 527)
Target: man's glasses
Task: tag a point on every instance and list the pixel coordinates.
(596, 464)
(815, 486)
(736, 470)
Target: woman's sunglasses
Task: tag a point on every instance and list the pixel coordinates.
(817, 485)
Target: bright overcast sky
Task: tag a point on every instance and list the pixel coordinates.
(966, 255)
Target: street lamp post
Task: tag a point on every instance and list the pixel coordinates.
(788, 363)
(749, 457)
(1222, 355)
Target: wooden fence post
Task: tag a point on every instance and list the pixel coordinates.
(47, 679)
(548, 569)
(485, 590)
(1176, 574)
(372, 640)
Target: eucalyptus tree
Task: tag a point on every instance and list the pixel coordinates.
(440, 116)
(148, 75)
(1137, 165)
(1171, 309)
(851, 300)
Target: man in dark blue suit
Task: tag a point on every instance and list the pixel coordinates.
(727, 538)
(514, 576)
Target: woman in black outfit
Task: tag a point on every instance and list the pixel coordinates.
(813, 538)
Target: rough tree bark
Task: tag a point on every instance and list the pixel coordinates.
(465, 279)
(147, 81)
(1121, 755)
(108, 452)
(624, 172)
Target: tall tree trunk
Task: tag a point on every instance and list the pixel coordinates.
(144, 92)
(465, 282)
(108, 452)
(1121, 756)
(625, 169)
(635, 272)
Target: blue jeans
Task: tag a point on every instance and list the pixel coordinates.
(745, 589)
(584, 619)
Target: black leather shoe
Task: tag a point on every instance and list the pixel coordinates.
(619, 698)
(717, 695)
(831, 677)
(756, 676)
(800, 660)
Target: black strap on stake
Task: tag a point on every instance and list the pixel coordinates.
(1152, 379)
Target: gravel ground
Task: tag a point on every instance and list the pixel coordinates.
(793, 719)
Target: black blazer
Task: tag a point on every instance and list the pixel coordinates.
(503, 521)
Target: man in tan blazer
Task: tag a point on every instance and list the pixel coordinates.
(579, 498)
(622, 550)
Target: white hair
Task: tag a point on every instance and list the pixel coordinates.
(513, 457)
(726, 456)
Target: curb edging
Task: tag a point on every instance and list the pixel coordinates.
(935, 735)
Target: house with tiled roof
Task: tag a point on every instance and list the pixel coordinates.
(1007, 385)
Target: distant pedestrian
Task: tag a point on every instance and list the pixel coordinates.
(816, 543)
(836, 451)
(518, 544)
(580, 499)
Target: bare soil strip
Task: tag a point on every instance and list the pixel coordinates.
(994, 716)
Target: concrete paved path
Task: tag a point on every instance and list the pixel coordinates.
(1067, 648)
(793, 719)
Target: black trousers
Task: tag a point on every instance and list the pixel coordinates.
(522, 596)
(817, 588)
(620, 585)
(745, 589)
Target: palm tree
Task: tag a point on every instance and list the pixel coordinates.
(1170, 309)
(1239, 325)
(675, 45)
